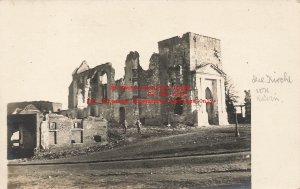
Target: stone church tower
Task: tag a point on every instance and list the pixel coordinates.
(195, 60)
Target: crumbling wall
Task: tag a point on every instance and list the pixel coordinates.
(95, 130)
(61, 131)
(92, 84)
(150, 112)
(131, 78)
(175, 71)
(203, 50)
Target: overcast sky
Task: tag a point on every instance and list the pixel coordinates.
(43, 42)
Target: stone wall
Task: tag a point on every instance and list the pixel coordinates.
(131, 77)
(61, 131)
(62, 128)
(150, 114)
(93, 84)
(175, 71)
(203, 50)
(94, 130)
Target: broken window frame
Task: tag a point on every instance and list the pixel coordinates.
(77, 129)
(55, 130)
(134, 73)
(51, 128)
(77, 125)
(81, 136)
(104, 90)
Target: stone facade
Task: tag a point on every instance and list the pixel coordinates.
(58, 130)
(192, 61)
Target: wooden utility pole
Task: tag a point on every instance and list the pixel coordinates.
(237, 133)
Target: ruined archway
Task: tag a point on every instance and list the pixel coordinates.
(80, 99)
(103, 83)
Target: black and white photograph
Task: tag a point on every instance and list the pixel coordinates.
(150, 94)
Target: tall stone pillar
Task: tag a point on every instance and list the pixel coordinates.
(219, 99)
(202, 114)
(223, 119)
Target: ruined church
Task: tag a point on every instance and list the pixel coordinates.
(190, 60)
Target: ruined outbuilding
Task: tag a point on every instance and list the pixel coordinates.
(40, 125)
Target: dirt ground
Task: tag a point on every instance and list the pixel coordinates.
(225, 175)
(219, 171)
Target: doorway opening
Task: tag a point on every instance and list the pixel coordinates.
(209, 106)
(178, 106)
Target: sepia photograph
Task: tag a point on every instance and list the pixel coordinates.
(100, 94)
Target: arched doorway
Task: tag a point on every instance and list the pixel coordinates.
(209, 106)
(178, 109)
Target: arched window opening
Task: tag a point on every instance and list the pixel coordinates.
(80, 99)
(178, 74)
(178, 106)
(103, 83)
